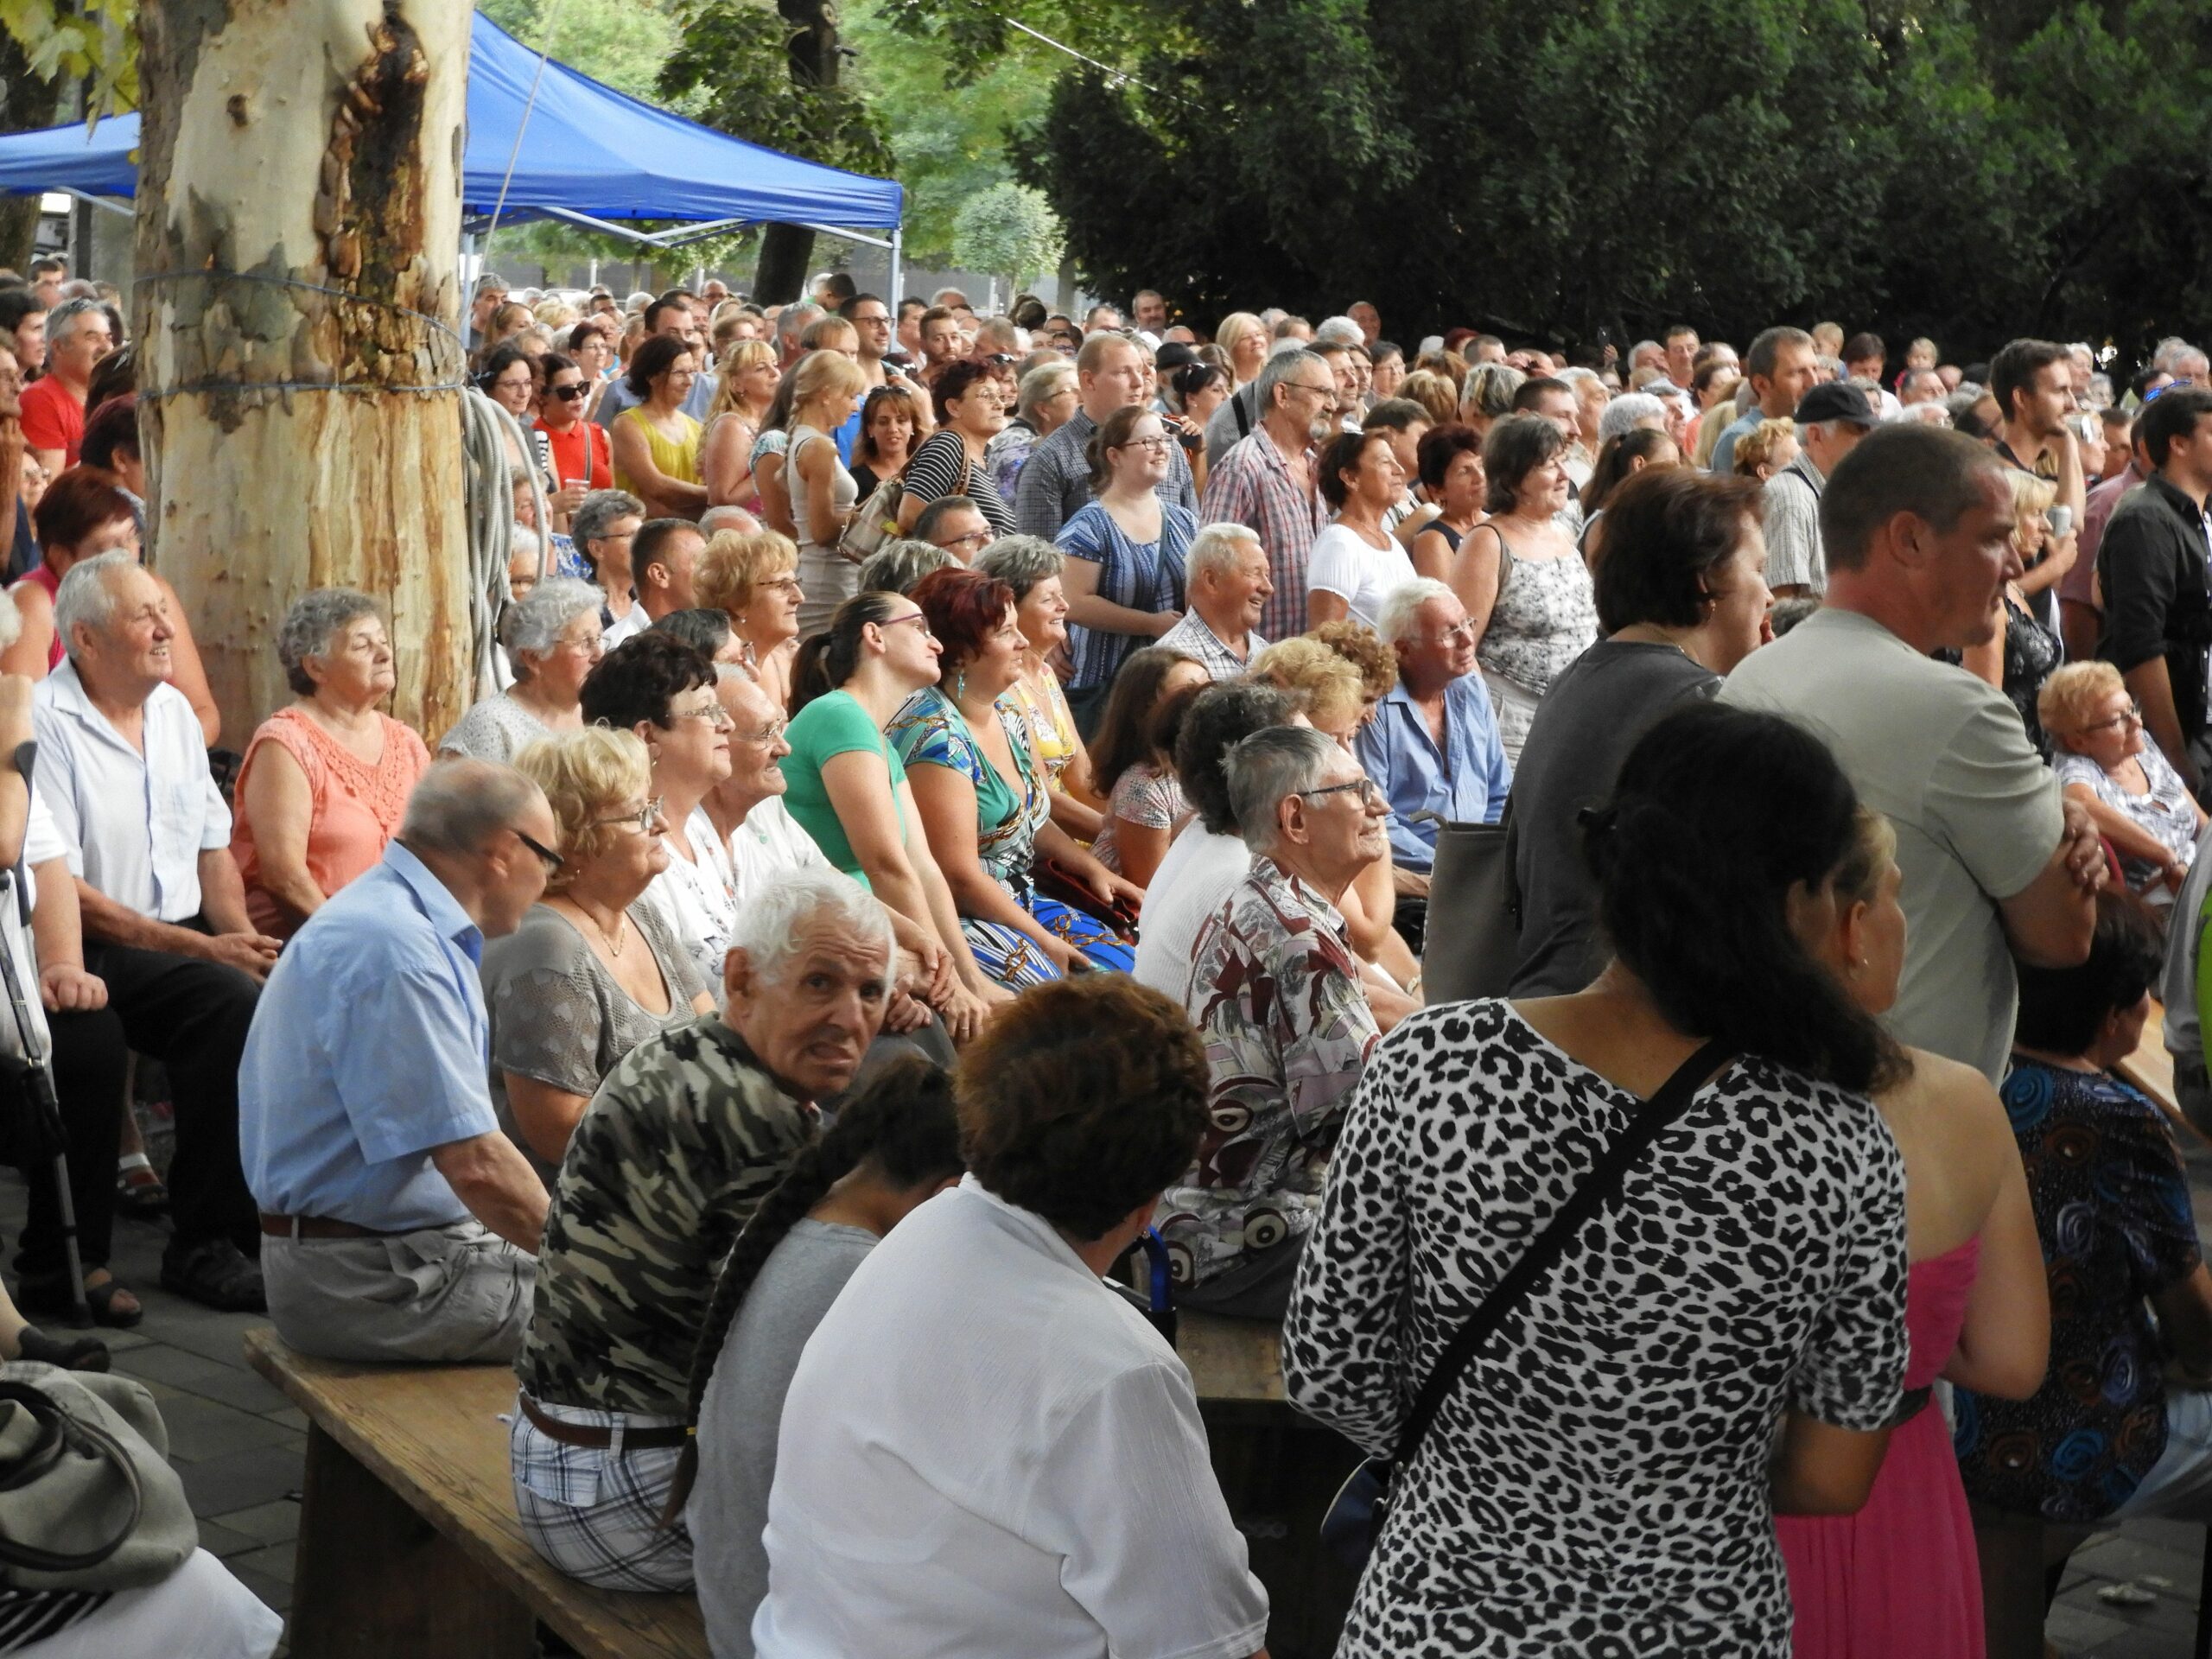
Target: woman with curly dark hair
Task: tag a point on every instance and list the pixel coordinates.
(1008, 1493)
(894, 1145)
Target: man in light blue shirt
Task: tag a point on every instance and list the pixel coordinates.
(1432, 745)
(397, 1217)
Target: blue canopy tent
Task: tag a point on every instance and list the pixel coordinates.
(545, 141)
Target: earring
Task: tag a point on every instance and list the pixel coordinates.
(960, 686)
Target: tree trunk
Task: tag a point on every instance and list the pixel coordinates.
(296, 438)
(787, 250)
(25, 105)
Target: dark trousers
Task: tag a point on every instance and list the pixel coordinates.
(192, 1016)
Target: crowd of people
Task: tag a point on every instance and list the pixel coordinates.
(960, 827)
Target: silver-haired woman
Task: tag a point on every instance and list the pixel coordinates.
(325, 780)
(552, 638)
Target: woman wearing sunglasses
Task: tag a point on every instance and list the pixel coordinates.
(593, 969)
(582, 460)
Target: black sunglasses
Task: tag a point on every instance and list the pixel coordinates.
(570, 394)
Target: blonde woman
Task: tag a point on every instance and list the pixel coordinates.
(593, 970)
(753, 579)
(747, 386)
(826, 388)
(1766, 450)
(2139, 802)
(2020, 655)
(1244, 340)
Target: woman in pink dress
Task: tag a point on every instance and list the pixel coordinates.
(326, 781)
(1900, 1577)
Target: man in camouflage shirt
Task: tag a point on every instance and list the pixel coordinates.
(686, 1135)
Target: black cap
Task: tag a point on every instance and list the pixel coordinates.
(1835, 400)
(1173, 355)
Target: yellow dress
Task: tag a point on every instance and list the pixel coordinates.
(676, 458)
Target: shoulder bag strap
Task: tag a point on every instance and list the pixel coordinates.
(1598, 1187)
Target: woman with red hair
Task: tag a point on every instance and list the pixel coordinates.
(985, 804)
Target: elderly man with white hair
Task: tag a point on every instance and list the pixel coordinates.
(1433, 744)
(1226, 586)
(1629, 411)
(399, 1219)
(1276, 991)
(123, 768)
(689, 1132)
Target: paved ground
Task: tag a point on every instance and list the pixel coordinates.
(240, 1448)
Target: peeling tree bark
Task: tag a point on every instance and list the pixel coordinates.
(291, 146)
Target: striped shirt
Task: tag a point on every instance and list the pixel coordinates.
(1253, 486)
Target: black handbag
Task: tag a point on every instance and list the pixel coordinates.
(1474, 913)
(1355, 1517)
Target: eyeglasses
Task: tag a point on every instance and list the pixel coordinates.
(788, 583)
(570, 394)
(552, 860)
(714, 714)
(2131, 716)
(1329, 390)
(974, 539)
(1460, 631)
(1154, 444)
(769, 733)
(642, 820)
(1369, 794)
(917, 619)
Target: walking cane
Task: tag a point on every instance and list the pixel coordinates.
(35, 1073)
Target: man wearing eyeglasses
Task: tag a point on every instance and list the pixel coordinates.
(1276, 991)
(1433, 745)
(399, 1223)
(1267, 481)
(954, 524)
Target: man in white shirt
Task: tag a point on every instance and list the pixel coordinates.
(1227, 586)
(123, 766)
(1039, 1488)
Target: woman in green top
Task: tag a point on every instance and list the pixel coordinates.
(848, 789)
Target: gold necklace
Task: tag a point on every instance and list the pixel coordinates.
(621, 935)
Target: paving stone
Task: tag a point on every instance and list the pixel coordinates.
(219, 1540)
(276, 1593)
(264, 1523)
(270, 1560)
(261, 1474)
(2075, 1630)
(201, 1429)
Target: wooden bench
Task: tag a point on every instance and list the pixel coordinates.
(409, 1544)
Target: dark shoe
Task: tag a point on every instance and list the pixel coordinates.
(138, 1192)
(83, 1354)
(48, 1293)
(214, 1273)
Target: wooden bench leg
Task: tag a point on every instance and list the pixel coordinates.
(374, 1580)
(1278, 1472)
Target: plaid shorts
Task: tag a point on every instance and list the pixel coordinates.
(595, 1512)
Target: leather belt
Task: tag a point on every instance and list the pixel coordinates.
(316, 1227)
(598, 1437)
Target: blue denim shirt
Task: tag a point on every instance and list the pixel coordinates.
(370, 1046)
(1467, 784)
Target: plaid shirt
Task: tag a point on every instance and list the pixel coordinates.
(1252, 486)
(1194, 639)
(1055, 481)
